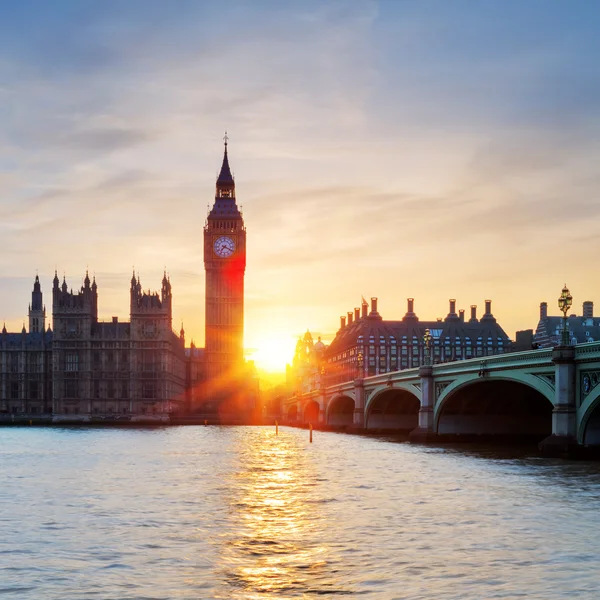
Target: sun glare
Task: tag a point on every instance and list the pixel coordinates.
(272, 353)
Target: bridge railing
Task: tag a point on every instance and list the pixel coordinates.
(541, 357)
(403, 375)
(583, 351)
(529, 357)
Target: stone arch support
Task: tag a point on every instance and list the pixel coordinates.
(393, 407)
(379, 390)
(495, 411)
(340, 410)
(585, 411)
(291, 413)
(338, 395)
(462, 381)
(312, 410)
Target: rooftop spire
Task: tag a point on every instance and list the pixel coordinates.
(225, 183)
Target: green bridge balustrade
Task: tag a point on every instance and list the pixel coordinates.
(552, 394)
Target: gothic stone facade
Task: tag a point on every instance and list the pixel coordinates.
(134, 368)
(225, 265)
(140, 367)
(26, 363)
(90, 368)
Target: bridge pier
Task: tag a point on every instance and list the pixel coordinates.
(322, 402)
(424, 432)
(359, 405)
(564, 416)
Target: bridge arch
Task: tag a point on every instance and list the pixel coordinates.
(517, 405)
(588, 430)
(312, 410)
(393, 407)
(340, 410)
(292, 412)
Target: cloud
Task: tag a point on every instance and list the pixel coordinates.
(104, 140)
(386, 149)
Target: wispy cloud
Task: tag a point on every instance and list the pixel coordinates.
(393, 149)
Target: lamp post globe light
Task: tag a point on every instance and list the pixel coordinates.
(427, 354)
(359, 364)
(564, 304)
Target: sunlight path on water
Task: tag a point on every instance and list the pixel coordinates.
(236, 512)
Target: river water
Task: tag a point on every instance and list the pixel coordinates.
(237, 512)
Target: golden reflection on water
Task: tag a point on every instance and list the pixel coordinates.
(273, 551)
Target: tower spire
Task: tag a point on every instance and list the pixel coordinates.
(225, 182)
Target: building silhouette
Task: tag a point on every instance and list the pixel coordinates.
(26, 363)
(366, 344)
(87, 369)
(581, 329)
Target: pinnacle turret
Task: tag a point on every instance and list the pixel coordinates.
(225, 181)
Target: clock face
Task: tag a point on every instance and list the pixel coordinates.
(224, 246)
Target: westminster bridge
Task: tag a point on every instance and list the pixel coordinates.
(553, 394)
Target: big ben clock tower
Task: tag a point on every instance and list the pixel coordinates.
(224, 263)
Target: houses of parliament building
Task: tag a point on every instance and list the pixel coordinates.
(82, 369)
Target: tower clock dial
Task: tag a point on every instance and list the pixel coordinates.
(224, 246)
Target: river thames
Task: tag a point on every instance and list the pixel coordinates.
(238, 512)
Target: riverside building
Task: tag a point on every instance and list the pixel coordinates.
(366, 344)
(581, 329)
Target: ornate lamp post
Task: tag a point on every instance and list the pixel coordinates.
(427, 353)
(564, 304)
(322, 376)
(359, 364)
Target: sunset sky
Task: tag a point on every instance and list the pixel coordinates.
(403, 148)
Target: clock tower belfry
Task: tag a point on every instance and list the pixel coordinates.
(224, 264)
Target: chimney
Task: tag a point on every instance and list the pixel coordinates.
(543, 310)
(115, 319)
(461, 315)
(356, 314)
(350, 315)
(588, 310)
(373, 305)
(342, 322)
(488, 316)
(410, 310)
(473, 313)
(365, 307)
(452, 316)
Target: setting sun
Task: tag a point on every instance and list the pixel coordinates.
(272, 352)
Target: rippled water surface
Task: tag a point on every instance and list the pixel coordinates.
(218, 512)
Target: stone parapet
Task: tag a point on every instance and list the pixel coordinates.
(563, 354)
(425, 371)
